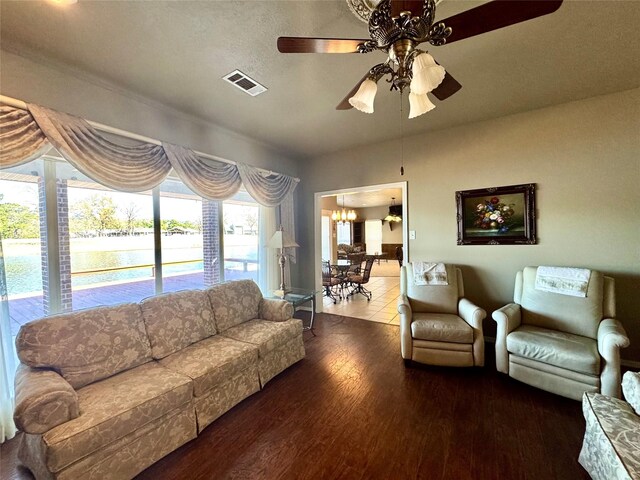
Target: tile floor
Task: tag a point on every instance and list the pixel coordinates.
(383, 305)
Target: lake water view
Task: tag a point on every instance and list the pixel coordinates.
(24, 272)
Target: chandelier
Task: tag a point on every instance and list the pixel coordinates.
(395, 212)
(343, 216)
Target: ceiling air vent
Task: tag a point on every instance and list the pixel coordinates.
(245, 83)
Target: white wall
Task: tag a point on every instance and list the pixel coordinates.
(61, 88)
(584, 158)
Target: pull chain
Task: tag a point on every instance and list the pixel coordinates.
(401, 136)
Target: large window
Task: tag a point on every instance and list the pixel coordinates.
(182, 235)
(344, 232)
(241, 217)
(21, 243)
(103, 247)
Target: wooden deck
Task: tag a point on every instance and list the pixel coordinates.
(23, 310)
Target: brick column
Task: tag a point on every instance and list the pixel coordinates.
(64, 274)
(211, 242)
(64, 245)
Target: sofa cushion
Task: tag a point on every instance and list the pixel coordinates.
(631, 389)
(211, 361)
(571, 352)
(176, 320)
(87, 345)
(234, 303)
(115, 407)
(266, 335)
(441, 327)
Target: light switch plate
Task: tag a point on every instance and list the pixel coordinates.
(412, 234)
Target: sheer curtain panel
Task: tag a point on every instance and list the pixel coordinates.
(7, 360)
(268, 269)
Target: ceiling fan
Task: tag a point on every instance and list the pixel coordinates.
(397, 28)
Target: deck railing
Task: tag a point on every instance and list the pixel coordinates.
(245, 266)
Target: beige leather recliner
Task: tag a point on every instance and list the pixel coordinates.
(437, 325)
(562, 344)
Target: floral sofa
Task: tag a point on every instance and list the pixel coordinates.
(611, 446)
(106, 392)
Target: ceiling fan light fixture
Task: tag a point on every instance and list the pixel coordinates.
(419, 104)
(427, 74)
(364, 97)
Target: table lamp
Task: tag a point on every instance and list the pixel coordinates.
(281, 240)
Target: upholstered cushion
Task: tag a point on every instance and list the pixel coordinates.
(176, 320)
(234, 303)
(572, 352)
(211, 361)
(432, 298)
(43, 400)
(441, 327)
(275, 309)
(266, 335)
(115, 407)
(580, 316)
(87, 345)
(631, 389)
(610, 447)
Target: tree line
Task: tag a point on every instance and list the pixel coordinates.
(95, 215)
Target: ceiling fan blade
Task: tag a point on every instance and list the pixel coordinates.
(318, 45)
(448, 87)
(416, 7)
(495, 15)
(344, 104)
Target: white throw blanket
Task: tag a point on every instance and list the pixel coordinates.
(563, 280)
(426, 273)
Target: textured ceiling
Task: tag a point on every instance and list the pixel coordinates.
(370, 198)
(177, 52)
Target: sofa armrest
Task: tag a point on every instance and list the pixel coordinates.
(472, 314)
(406, 315)
(508, 318)
(611, 338)
(43, 400)
(631, 389)
(275, 310)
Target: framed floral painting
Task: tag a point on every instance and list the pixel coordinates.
(497, 215)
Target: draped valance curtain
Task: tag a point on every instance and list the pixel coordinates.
(25, 135)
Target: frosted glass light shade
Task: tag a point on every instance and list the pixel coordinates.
(427, 74)
(363, 99)
(419, 104)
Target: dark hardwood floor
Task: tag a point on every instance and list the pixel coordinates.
(352, 410)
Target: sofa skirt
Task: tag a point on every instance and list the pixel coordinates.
(223, 397)
(123, 458)
(279, 359)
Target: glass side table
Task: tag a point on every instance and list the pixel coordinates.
(298, 297)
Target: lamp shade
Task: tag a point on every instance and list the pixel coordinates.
(427, 74)
(419, 104)
(363, 99)
(281, 240)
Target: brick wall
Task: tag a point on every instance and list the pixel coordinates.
(64, 275)
(211, 241)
